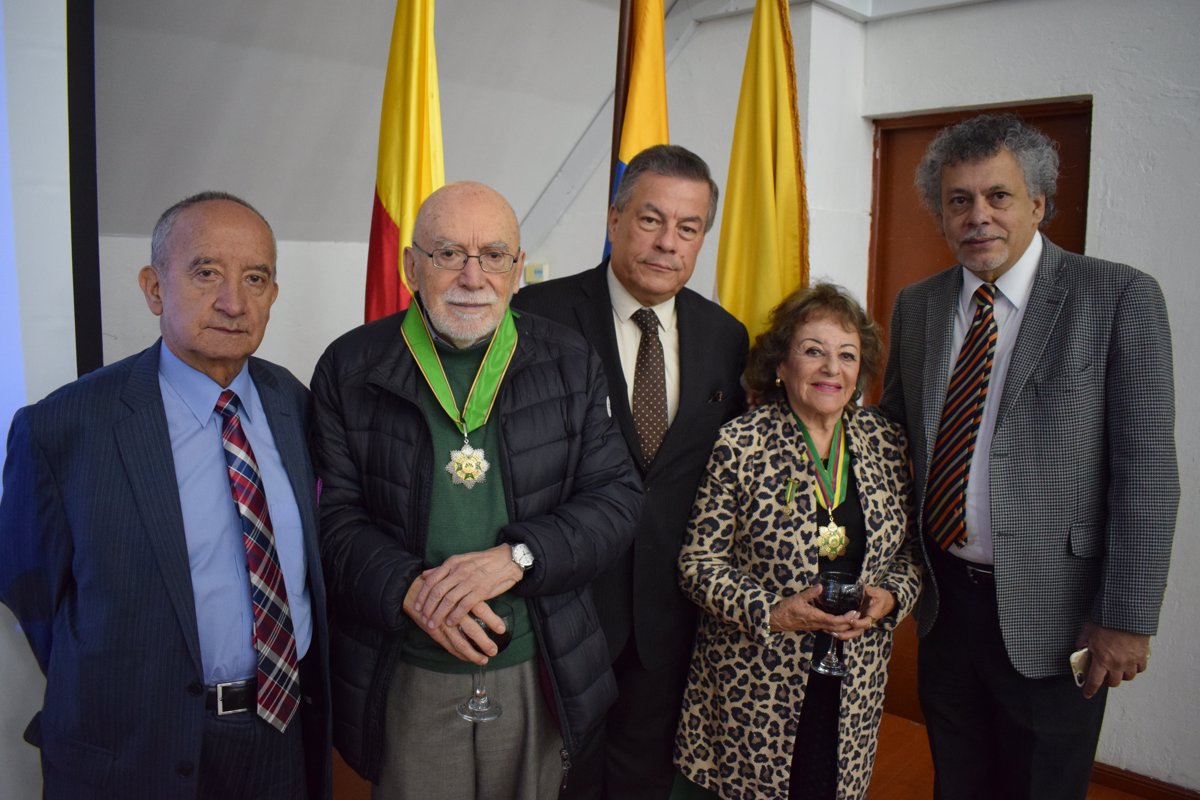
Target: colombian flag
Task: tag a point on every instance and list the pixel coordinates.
(763, 252)
(410, 164)
(640, 99)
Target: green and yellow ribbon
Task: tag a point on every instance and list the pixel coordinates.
(485, 387)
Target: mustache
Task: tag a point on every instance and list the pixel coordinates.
(457, 294)
(980, 233)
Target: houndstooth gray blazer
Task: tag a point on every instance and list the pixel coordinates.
(1084, 478)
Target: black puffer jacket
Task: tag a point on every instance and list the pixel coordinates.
(572, 492)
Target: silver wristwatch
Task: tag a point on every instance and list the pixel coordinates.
(522, 556)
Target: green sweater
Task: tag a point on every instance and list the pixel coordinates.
(463, 520)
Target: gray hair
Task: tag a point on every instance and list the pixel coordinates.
(982, 137)
(162, 228)
(669, 161)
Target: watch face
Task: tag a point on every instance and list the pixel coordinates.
(522, 555)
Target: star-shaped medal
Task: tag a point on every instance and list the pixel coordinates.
(467, 466)
(832, 540)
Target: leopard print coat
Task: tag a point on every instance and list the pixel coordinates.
(745, 549)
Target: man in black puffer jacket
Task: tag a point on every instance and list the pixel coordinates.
(468, 460)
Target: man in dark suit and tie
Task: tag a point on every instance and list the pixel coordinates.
(158, 543)
(1038, 393)
(673, 361)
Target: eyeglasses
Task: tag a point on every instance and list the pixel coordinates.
(452, 258)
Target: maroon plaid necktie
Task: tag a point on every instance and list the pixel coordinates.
(278, 673)
(945, 501)
(649, 386)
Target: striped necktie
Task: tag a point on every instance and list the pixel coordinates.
(649, 386)
(945, 500)
(278, 692)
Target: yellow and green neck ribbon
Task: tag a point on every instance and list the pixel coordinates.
(833, 480)
(485, 387)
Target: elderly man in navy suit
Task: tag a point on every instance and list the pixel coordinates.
(1036, 386)
(158, 543)
(674, 361)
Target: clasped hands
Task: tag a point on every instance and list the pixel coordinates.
(798, 612)
(441, 599)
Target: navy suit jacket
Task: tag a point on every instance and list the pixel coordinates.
(1084, 478)
(640, 596)
(94, 563)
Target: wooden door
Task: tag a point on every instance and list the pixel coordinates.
(907, 246)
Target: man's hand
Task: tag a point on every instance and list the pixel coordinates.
(468, 642)
(450, 591)
(1116, 656)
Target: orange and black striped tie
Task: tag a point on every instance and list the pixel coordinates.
(945, 500)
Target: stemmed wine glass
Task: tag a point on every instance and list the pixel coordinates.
(479, 707)
(840, 592)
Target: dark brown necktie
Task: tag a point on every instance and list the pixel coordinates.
(649, 387)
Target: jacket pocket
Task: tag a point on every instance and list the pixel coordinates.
(84, 763)
(1087, 539)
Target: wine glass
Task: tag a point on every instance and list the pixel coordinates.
(840, 592)
(479, 707)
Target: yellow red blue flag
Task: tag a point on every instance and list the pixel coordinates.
(410, 164)
(640, 99)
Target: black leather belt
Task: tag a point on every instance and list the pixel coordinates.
(983, 574)
(231, 698)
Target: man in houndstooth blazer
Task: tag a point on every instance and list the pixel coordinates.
(1072, 489)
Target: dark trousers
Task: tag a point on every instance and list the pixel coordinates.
(631, 758)
(244, 758)
(995, 733)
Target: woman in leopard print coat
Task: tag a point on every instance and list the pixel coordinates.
(751, 553)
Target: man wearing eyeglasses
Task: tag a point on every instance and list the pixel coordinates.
(469, 461)
(674, 360)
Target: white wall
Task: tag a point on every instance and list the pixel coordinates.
(321, 287)
(1140, 63)
(37, 240)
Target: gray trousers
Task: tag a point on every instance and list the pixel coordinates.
(433, 754)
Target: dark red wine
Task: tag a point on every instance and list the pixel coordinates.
(839, 594)
(840, 604)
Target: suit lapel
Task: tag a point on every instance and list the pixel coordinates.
(290, 440)
(691, 384)
(1045, 302)
(595, 316)
(145, 446)
(940, 311)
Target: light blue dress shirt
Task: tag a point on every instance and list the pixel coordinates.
(216, 553)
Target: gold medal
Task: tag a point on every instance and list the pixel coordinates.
(832, 540)
(468, 466)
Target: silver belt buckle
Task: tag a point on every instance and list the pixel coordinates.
(978, 573)
(221, 687)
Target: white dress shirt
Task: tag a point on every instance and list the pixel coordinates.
(1012, 297)
(629, 336)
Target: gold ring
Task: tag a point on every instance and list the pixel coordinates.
(872, 624)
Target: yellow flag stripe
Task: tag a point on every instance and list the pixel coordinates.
(763, 250)
(645, 122)
(411, 163)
